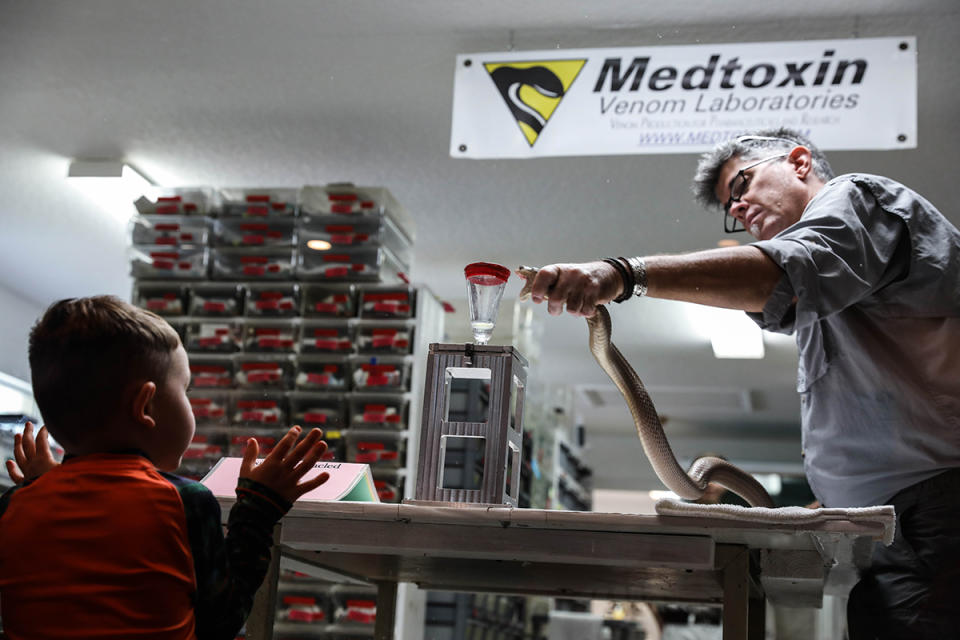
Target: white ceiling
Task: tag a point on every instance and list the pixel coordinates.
(293, 92)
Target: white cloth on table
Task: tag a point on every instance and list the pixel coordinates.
(884, 514)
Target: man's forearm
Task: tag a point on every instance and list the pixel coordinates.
(734, 278)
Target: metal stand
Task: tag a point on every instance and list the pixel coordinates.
(498, 373)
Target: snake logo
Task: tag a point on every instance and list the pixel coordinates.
(533, 90)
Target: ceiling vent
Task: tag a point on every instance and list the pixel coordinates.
(675, 400)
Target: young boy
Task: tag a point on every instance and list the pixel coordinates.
(109, 544)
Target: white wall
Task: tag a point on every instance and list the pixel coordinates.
(17, 316)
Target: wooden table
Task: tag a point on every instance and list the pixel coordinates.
(574, 555)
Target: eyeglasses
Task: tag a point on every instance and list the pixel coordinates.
(738, 186)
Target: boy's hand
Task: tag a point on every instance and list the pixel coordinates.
(33, 457)
(282, 469)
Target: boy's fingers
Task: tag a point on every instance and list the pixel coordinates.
(310, 458)
(43, 442)
(18, 452)
(312, 484)
(304, 447)
(286, 443)
(14, 472)
(250, 454)
(29, 448)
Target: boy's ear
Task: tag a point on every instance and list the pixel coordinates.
(142, 404)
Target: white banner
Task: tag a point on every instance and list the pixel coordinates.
(844, 94)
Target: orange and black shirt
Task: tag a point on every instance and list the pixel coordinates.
(107, 546)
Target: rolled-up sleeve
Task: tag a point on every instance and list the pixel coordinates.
(842, 250)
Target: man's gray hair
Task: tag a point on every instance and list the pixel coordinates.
(753, 146)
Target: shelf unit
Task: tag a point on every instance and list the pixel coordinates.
(277, 334)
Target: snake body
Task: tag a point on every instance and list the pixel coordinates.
(691, 484)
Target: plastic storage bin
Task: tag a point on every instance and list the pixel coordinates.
(216, 300)
(273, 300)
(178, 201)
(390, 490)
(322, 374)
(164, 262)
(209, 407)
(209, 372)
(238, 444)
(380, 374)
(276, 336)
(384, 339)
(258, 202)
(354, 605)
(303, 607)
(213, 336)
(386, 302)
(370, 264)
(259, 410)
(318, 336)
(169, 230)
(326, 411)
(242, 232)
(342, 199)
(162, 299)
(378, 411)
(263, 372)
(253, 263)
(382, 449)
(334, 301)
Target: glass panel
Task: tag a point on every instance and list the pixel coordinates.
(461, 460)
(467, 394)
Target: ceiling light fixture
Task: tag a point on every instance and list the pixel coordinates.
(732, 334)
(736, 336)
(112, 185)
(319, 245)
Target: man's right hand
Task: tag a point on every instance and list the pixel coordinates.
(33, 457)
(579, 286)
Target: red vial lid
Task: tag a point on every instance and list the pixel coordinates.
(480, 272)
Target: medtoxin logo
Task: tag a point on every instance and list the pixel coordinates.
(533, 90)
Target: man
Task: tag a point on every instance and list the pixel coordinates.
(866, 272)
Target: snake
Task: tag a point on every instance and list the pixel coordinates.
(690, 484)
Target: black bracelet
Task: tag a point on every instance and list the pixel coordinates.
(625, 276)
(631, 276)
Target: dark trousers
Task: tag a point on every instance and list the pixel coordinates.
(912, 589)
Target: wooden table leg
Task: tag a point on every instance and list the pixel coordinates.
(744, 609)
(757, 618)
(264, 608)
(386, 611)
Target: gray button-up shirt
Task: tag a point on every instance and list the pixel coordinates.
(874, 270)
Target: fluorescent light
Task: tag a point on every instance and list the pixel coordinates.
(112, 185)
(319, 245)
(732, 334)
(737, 337)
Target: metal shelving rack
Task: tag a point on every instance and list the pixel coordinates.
(366, 415)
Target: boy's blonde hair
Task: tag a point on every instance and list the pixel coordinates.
(84, 352)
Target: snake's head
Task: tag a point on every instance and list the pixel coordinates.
(528, 274)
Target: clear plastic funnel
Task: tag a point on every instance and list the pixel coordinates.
(484, 291)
